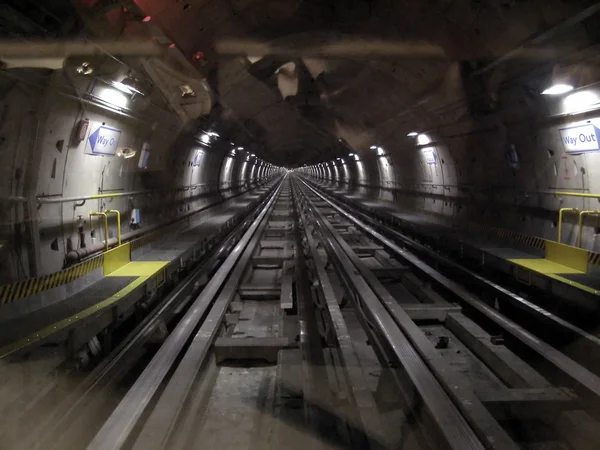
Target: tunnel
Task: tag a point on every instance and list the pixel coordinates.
(300, 223)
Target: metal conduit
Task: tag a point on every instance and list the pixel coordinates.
(45, 200)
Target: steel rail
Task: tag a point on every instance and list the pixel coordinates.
(120, 358)
(458, 389)
(450, 424)
(162, 422)
(314, 366)
(366, 415)
(124, 418)
(582, 376)
(587, 340)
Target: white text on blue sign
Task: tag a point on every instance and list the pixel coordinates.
(103, 141)
(583, 138)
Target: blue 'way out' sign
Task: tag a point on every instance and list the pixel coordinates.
(102, 140)
(579, 139)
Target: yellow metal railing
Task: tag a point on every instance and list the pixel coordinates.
(101, 214)
(115, 211)
(577, 194)
(560, 220)
(581, 215)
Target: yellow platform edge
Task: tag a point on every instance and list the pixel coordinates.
(551, 268)
(144, 270)
(116, 258)
(573, 257)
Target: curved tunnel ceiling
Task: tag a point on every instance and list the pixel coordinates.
(345, 74)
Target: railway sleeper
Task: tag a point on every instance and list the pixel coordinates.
(251, 349)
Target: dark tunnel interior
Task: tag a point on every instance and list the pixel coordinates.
(436, 106)
(459, 123)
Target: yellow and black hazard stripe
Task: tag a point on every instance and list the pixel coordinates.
(15, 291)
(531, 241)
(594, 258)
(524, 239)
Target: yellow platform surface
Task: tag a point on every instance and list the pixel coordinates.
(117, 263)
(560, 260)
(139, 269)
(545, 266)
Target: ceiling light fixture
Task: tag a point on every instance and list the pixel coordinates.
(85, 69)
(186, 91)
(121, 87)
(423, 139)
(128, 85)
(580, 101)
(558, 89)
(132, 84)
(113, 96)
(373, 147)
(126, 152)
(413, 134)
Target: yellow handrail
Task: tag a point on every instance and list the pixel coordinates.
(560, 220)
(577, 194)
(581, 214)
(115, 211)
(103, 214)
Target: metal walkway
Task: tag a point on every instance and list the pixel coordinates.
(126, 277)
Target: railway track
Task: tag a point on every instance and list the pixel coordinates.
(323, 328)
(461, 282)
(66, 412)
(501, 376)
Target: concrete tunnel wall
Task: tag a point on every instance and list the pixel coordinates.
(460, 179)
(489, 150)
(41, 160)
(496, 157)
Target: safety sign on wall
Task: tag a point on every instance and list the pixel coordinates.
(102, 140)
(198, 157)
(430, 157)
(579, 139)
(144, 156)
